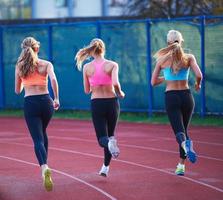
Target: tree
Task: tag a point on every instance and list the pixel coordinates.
(170, 8)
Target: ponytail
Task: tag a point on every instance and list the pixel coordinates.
(175, 52)
(27, 62)
(96, 47)
(28, 58)
(82, 55)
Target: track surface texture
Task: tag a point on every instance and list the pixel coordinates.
(143, 171)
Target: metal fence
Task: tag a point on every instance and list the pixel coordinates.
(132, 44)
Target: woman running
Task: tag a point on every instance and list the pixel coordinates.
(179, 101)
(32, 73)
(100, 78)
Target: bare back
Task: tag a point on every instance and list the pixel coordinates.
(176, 84)
(38, 89)
(101, 91)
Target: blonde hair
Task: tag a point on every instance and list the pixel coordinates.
(96, 47)
(174, 51)
(28, 58)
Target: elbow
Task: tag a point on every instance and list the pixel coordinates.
(200, 76)
(87, 90)
(115, 83)
(17, 91)
(54, 81)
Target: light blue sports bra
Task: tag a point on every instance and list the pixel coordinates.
(183, 74)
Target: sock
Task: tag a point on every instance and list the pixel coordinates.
(44, 167)
(105, 166)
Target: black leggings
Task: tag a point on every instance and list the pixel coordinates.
(179, 107)
(105, 113)
(38, 110)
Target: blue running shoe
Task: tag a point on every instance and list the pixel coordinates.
(191, 154)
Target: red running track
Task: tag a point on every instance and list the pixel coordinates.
(143, 171)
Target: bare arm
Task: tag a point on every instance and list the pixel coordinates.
(18, 82)
(156, 79)
(54, 84)
(115, 81)
(197, 72)
(87, 88)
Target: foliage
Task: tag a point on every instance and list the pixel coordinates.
(170, 8)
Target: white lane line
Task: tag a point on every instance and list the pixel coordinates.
(132, 163)
(158, 138)
(196, 141)
(16, 138)
(65, 174)
(135, 146)
(167, 151)
(120, 144)
(154, 137)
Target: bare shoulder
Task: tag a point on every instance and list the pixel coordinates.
(86, 66)
(43, 62)
(161, 65)
(111, 63)
(191, 57)
(44, 66)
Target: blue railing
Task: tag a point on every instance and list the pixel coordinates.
(2, 88)
(199, 21)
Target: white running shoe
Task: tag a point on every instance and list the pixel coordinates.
(104, 171)
(113, 148)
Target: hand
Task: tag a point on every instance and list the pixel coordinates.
(121, 94)
(197, 87)
(56, 104)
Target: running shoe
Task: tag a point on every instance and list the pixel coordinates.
(47, 180)
(191, 154)
(104, 171)
(113, 148)
(180, 170)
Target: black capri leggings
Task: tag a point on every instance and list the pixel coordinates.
(38, 110)
(179, 107)
(105, 113)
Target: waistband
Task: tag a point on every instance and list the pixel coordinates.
(178, 91)
(104, 99)
(38, 96)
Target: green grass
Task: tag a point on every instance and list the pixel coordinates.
(157, 118)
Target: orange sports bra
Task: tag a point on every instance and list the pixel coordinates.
(35, 79)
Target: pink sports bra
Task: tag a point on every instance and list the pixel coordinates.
(99, 77)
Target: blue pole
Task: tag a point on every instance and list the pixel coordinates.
(104, 8)
(149, 68)
(70, 7)
(2, 85)
(50, 53)
(34, 8)
(203, 97)
(98, 26)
